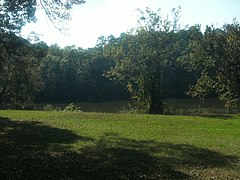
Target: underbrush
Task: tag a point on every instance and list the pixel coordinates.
(171, 107)
(71, 107)
(169, 110)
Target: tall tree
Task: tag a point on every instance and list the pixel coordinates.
(216, 56)
(73, 74)
(19, 69)
(18, 58)
(141, 58)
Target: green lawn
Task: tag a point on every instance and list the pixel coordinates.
(72, 145)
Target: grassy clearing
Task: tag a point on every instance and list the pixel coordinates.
(72, 145)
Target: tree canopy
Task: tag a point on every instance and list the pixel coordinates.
(142, 57)
(19, 69)
(14, 14)
(156, 60)
(215, 54)
(20, 60)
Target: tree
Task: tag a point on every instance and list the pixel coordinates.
(74, 74)
(216, 56)
(16, 13)
(20, 60)
(19, 69)
(141, 58)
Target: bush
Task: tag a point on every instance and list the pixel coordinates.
(73, 108)
(130, 109)
(49, 107)
(168, 110)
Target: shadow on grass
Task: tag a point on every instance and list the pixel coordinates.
(31, 150)
(220, 116)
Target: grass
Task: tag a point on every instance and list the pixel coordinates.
(73, 145)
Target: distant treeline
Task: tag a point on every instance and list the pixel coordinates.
(73, 74)
(184, 61)
(41, 73)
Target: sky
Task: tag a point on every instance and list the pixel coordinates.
(98, 18)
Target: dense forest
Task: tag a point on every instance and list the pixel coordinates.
(156, 60)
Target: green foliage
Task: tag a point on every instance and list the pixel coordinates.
(20, 61)
(202, 88)
(48, 107)
(150, 62)
(15, 14)
(75, 74)
(142, 57)
(73, 108)
(130, 109)
(19, 69)
(216, 55)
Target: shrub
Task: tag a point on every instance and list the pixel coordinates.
(48, 107)
(73, 108)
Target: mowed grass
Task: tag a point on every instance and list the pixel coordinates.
(73, 145)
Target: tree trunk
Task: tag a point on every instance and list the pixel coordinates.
(2, 93)
(156, 102)
(156, 106)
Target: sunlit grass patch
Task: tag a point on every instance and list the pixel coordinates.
(77, 145)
